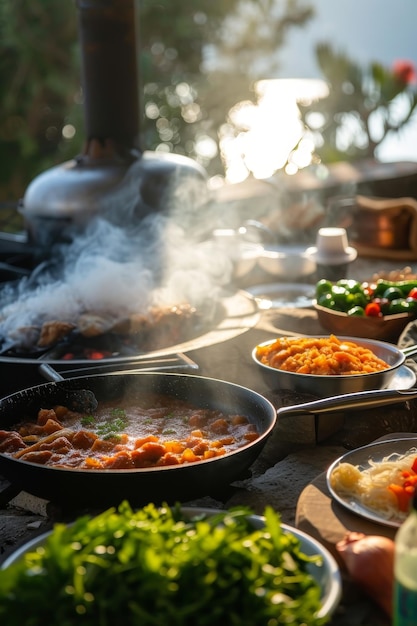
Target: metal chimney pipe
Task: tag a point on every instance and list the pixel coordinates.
(111, 172)
(109, 64)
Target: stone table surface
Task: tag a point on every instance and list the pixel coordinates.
(291, 460)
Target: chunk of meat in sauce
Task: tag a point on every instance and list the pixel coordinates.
(84, 439)
(60, 445)
(38, 456)
(11, 441)
(157, 432)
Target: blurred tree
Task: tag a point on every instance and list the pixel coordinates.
(364, 105)
(195, 63)
(39, 86)
(195, 72)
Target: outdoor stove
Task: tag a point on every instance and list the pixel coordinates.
(113, 178)
(163, 348)
(112, 169)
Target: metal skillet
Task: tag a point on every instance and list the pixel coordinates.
(76, 488)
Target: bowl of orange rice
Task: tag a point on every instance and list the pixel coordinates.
(327, 365)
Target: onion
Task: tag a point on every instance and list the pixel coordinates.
(369, 560)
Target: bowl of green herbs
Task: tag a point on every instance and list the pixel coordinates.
(176, 566)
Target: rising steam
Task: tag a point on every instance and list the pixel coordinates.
(119, 267)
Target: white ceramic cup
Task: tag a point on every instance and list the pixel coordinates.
(333, 246)
(332, 253)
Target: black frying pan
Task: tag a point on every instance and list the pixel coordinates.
(77, 488)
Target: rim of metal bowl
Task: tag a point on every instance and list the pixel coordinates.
(331, 585)
(401, 357)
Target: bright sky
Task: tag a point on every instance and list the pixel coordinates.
(364, 30)
(367, 30)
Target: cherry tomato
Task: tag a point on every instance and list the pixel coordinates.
(413, 293)
(373, 310)
(383, 303)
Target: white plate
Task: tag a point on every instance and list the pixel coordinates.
(361, 458)
(405, 378)
(283, 295)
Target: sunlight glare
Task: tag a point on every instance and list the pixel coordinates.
(263, 136)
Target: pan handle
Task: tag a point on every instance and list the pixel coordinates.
(409, 351)
(82, 400)
(49, 373)
(359, 400)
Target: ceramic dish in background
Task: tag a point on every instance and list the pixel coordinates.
(361, 457)
(387, 328)
(282, 295)
(326, 386)
(326, 574)
(286, 262)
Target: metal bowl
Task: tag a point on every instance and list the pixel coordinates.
(326, 386)
(326, 574)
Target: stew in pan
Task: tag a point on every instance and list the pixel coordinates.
(152, 431)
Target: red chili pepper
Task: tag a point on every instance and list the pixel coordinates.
(373, 309)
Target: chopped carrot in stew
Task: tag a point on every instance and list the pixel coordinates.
(155, 431)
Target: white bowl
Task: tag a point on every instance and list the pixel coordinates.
(287, 262)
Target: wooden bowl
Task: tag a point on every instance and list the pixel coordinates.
(387, 328)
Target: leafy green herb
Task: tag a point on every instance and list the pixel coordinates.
(155, 566)
(88, 420)
(110, 428)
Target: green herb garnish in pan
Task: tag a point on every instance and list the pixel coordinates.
(154, 567)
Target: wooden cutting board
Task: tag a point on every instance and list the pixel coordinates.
(319, 516)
